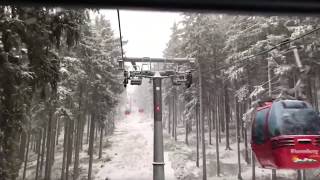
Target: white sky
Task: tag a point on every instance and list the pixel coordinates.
(147, 32)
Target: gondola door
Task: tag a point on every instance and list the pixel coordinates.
(259, 141)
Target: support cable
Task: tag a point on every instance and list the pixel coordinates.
(119, 23)
(288, 41)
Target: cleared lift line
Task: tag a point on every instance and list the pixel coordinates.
(156, 76)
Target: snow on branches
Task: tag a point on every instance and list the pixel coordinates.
(233, 72)
(250, 114)
(299, 30)
(242, 93)
(247, 117)
(258, 90)
(283, 69)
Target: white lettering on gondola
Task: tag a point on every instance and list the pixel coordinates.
(304, 151)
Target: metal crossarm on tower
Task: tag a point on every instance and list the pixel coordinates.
(159, 60)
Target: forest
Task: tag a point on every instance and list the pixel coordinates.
(242, 59)
(58, 76)
(61, 91)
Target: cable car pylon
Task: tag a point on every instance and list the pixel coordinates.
(156, 77)
(135, 78)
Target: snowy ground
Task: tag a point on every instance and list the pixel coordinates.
(128, 155)
(132, 151)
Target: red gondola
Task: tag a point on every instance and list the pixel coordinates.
(286, 135)
(127, 112)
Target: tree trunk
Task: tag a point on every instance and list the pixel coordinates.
(303, 171)
(169, 117)
(204, 164)
(91, 141)
(83, 122)
(209, 110)
(101, 140)
(299, 175)
(186, 122)
(238, 136)
(26, 158)
(221, 112)
(77, 150)
(227, 115)
(223, 115)
(253, 158)
(58, 131)
(315, 94)
(246, 150)
(78, 137)
(175, 117)
(71, 141)
(317, 86)
(187, 131)
(241, 121)
(210, 126)
(49, 134)
(112, 122)
(308, 89)
(69, 146)
(273, 174)
(197, 133)
(88, 128)
(53, 141)
(253, 166)
(213, 113)
(217, 139)
(43, 149)
(39, 154)
(31, 143)
(23, 143)
(65, 148)
(107, 127)
(96, 134)
(34, 145)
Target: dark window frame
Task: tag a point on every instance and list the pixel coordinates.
(265, 137)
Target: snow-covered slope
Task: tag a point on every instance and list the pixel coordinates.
(132, 151)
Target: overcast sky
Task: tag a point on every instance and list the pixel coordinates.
(147, 32)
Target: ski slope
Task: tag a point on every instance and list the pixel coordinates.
(131, 151)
